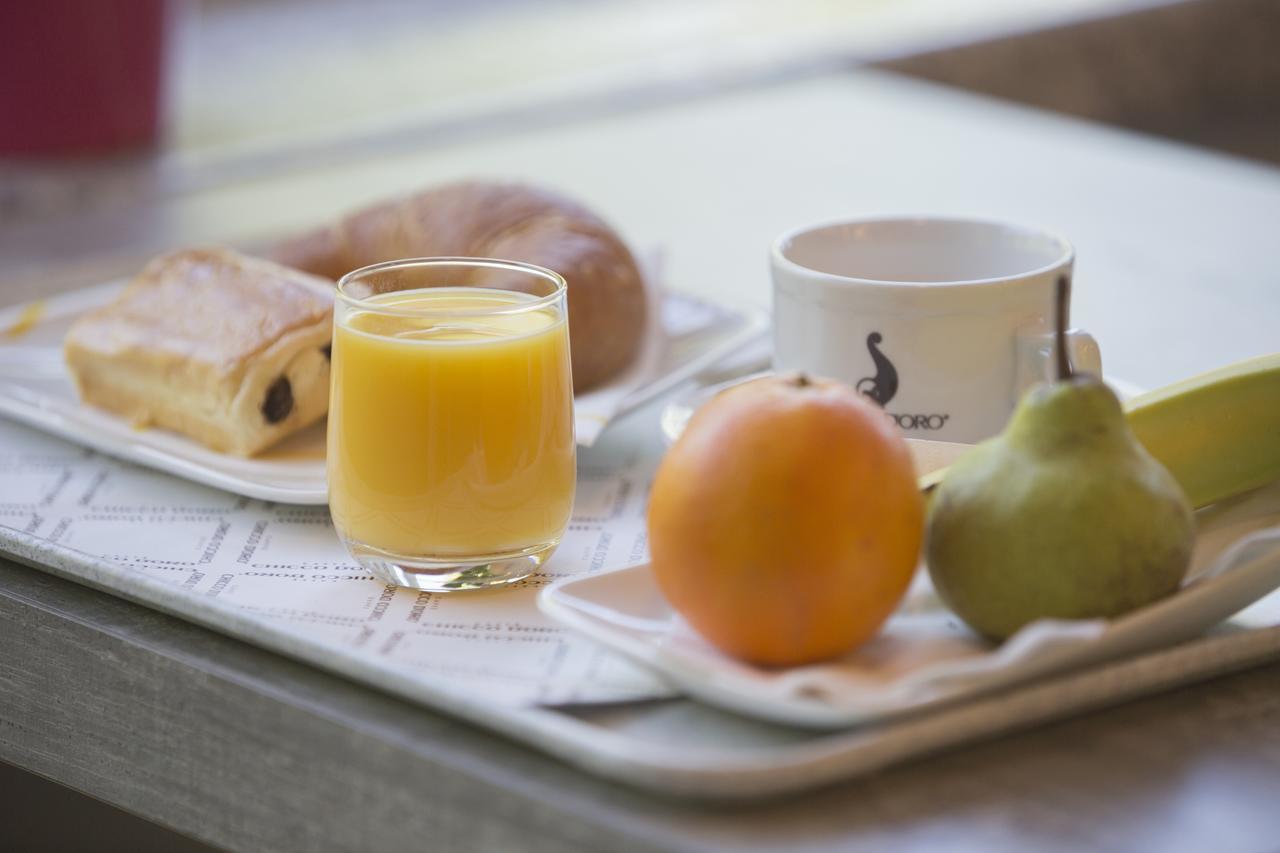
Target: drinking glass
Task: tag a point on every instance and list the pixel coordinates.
(451, 453)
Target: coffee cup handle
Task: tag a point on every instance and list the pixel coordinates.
(1036, 360)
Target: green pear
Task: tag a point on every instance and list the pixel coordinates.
(1064, 515)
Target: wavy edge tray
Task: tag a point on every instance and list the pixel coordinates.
(597, 606)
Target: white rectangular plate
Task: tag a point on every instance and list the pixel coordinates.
(36, 390)
(924, 657)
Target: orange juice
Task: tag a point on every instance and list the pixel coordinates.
(450, 426)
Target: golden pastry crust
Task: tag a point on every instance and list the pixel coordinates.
(606, 296)
(228, 349)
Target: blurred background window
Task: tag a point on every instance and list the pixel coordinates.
(102, 100)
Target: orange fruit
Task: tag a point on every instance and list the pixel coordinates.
(785, 523)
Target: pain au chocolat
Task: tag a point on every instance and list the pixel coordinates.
(230, 350)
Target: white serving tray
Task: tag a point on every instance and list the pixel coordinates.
(35, 389)
(683, 748)
(688, 749)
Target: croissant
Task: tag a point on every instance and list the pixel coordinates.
(606, 295)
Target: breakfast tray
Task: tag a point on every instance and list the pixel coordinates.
(267, 574)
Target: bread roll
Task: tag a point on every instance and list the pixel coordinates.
(508, 221)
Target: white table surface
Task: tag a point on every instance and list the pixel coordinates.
(1175, 270)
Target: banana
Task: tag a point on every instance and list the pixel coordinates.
(1218, 433)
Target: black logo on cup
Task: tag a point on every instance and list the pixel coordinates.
(884, 384)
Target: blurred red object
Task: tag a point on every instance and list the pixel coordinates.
(80, 76)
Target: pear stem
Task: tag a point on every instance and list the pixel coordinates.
(1063, 301)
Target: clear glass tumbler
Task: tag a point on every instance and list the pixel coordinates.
(451, 453)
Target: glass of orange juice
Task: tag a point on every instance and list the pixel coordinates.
(451, 453)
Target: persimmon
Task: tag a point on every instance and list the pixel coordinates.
(785, 523)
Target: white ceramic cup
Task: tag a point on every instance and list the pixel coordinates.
(943, 322)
